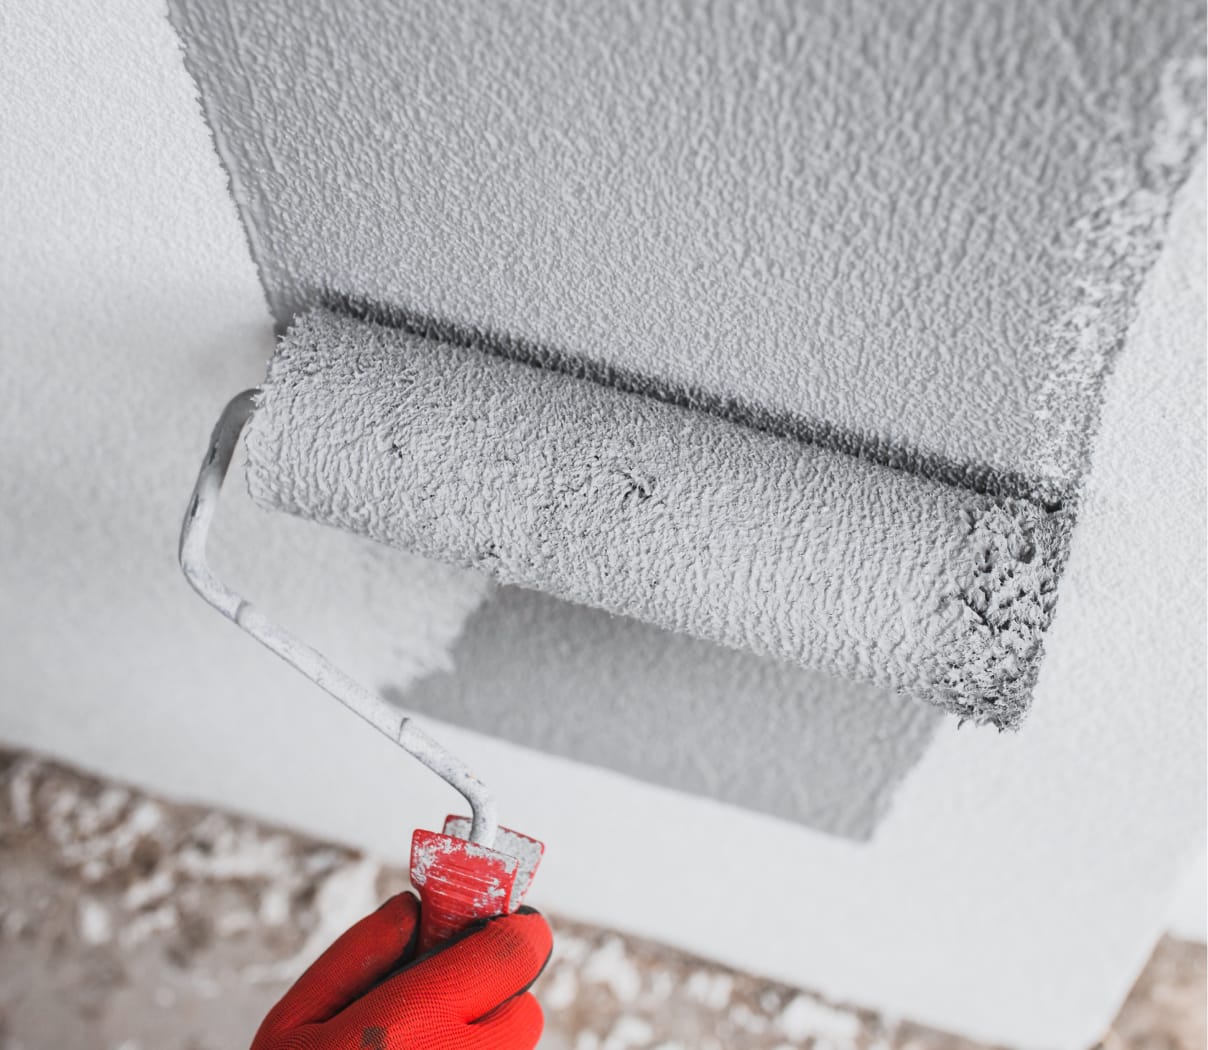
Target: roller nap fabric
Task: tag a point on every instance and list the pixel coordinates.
(649, 509)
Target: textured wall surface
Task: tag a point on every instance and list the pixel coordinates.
(1029, 868)
(131, 312)
(123, 257)
(680, 712)
(126, 266)
(911, 231)
(904, 235)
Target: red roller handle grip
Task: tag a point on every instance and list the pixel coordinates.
(459, 882)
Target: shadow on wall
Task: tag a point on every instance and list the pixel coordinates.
(679, 712)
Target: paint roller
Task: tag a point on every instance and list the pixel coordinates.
(543, 477)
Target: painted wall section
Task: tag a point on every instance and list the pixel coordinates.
(131, 310)
(902, 235)
(682, 713)
(899, 230)
(102, 431)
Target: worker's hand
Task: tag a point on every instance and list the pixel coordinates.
(471, 993)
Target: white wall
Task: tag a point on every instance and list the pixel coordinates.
(1189, 911)
(132, 311)
(1019, 880)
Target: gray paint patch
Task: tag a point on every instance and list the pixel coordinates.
(917, 229)
(678, 712)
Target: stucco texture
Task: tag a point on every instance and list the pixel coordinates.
(1033, 868)
(664, 707)
(900, 236)
(127, 271)
(903, 230)
(131, 312)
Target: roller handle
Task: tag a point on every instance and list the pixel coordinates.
(460, 882)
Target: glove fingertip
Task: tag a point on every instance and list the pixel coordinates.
(517, 1024)
(527, 938)
(401, 906)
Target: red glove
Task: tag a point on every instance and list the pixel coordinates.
(368, 992)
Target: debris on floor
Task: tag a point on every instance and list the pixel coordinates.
(131, 923)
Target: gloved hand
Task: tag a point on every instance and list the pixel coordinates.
(368, 992)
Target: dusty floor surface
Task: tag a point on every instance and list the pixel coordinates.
(129, 923)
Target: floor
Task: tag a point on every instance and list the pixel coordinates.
(131, 923)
